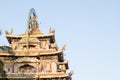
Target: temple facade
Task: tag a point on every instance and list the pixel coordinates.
(33, 55)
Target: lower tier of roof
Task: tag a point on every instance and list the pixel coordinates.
(37, 75)
(24, 53)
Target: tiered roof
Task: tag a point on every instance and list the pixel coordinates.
(31, 45)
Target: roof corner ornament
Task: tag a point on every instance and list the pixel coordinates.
(11, 31)
(8, 33)
(63, 48)
(71, 73)
(51, 30)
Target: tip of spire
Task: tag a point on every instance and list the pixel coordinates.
(32, 11)
(32, 18)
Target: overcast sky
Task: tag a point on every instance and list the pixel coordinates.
(89, 28)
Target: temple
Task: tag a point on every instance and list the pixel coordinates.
(33, 55)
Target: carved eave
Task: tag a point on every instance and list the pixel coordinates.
(54, 75)
(65, 62)
(51, 53)
(36, 53)
(31, 36)
(37, 75)
(11, 36)
(5, 53)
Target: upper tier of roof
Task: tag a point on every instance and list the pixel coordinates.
(32, 29)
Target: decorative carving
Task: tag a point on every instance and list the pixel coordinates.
(27, 59)
(26, 68)
(9, 33)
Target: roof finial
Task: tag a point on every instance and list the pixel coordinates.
(32, 18)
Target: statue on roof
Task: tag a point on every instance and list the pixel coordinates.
(32, 22)
(32, 18)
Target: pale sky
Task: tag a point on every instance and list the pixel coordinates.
(89, 28)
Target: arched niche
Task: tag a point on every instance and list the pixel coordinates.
(26, 68)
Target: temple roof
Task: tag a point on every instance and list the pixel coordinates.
(34, 54)
(32, 29)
